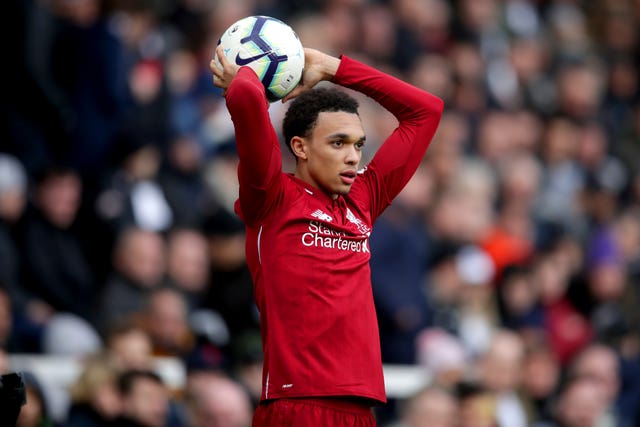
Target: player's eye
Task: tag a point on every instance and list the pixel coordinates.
(337, 143)
(359, 145)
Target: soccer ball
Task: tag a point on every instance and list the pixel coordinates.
(271, 48)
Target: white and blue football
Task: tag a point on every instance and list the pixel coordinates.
(271, 48)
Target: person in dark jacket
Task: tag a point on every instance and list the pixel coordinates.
(55, 268)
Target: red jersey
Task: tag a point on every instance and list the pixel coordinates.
(308, 253)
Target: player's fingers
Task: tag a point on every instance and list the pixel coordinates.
(215, 69)
(301, 88)
(221, 57)
(217, 81)
(290, 95)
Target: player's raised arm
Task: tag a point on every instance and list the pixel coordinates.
(418, 113)
(256, 140)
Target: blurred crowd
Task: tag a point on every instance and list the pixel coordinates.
(508, 268)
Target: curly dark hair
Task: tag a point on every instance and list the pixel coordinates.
(301, 117)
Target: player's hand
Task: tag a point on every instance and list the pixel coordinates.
(223, 73)
(318, 66)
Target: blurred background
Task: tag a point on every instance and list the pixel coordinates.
(506, 274)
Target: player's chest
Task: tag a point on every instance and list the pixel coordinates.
(334, 229)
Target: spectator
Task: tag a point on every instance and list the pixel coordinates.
(13, 199)
(626, 232)
(138, 268)
(4, 362)
(521, 226)
(145, 400)
(580, 88)
(231, 290)
(562, 178)
(94, 395)
(34, 413)
(402, 241)
(89, 95)
(6, 319)
(605, 176)
(165, 319)
(518, 301)
(214, 400)
(56, 271)
(608, 290)
(443, 355)
(477, 312)
(443, 287)
(477, 406)
(600, 364)
(551, 278)
(129, 346)
(183, 184)
(580, 404)
(500, 372)
(446, 152)
(132, 196)
(540, 381)
(188, 264)
(433, 406)
(248, 358)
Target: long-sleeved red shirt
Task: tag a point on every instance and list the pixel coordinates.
(308, 253)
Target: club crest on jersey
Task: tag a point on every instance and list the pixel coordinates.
(319, 214)
(362, 227)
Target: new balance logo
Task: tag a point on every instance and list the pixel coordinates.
(322, 216)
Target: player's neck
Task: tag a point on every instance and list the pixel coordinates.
(303, 175)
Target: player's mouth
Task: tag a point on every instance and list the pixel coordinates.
(348, 177)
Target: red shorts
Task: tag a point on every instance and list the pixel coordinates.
(313, 412)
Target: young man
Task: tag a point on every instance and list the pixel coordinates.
(307, 233)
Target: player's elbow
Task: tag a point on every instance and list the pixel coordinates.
(439, 106)
(434, 105)
(426, 107)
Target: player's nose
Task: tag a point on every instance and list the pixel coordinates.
(352, 156)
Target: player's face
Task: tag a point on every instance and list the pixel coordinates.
(333, 152)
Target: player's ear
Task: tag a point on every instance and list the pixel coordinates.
(299, 147)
